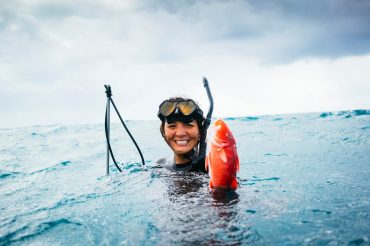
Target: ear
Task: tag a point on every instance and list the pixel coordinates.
(161, 129)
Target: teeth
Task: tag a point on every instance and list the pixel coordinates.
(182, 142)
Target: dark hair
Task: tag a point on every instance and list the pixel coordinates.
(196, 116)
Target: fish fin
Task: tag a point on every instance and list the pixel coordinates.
(234, 184)
(206, 163)
(237, 162)
(211, 184)
(223, 155)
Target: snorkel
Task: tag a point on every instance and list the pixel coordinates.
(196, 157)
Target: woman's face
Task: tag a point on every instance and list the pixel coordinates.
(181, 137)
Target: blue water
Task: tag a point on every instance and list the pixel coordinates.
(304, 179)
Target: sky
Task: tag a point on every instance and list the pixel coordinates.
(260, 57)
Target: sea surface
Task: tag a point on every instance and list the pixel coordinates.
(304, 180)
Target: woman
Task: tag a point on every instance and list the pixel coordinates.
(181, 126)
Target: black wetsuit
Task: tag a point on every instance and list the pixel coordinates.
(169, 163)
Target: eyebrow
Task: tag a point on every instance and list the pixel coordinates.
(190, 123)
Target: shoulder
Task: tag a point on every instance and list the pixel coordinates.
(169, 164)
(199, 166)
(166, 162)
(161, 161)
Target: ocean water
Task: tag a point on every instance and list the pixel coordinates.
(304, 180)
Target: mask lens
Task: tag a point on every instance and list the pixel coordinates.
(167, 107)
(187, 107)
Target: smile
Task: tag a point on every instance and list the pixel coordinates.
(182, 142)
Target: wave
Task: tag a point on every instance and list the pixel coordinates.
(30, 231)
(52, 129)
(279, 117)
(4, 175)
(346, 113)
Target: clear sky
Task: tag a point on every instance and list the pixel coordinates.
(260, 57)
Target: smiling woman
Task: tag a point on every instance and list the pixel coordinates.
(181, 125)
(182, 138)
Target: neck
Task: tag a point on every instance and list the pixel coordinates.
(181, 159)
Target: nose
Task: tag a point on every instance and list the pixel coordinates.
(180, 130)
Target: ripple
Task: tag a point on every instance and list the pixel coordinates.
(359, 241)
(266, 179)
(65, 163)
(249, 118)
(353, 113)
(31, 231)
(321, 211)
(251, 211)
(361, 112)
(5, 175)
(324, 115)
(54, 167)
(278, 155)
(37, 134)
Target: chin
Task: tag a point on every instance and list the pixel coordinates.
(182, 152)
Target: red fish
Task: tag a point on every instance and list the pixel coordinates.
(222, 160)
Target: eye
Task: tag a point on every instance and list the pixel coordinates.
(190, 125)
(171, 126)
